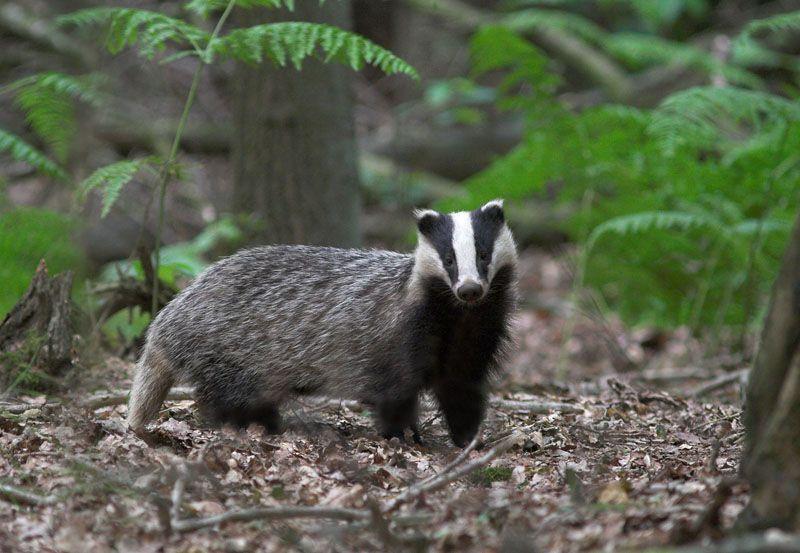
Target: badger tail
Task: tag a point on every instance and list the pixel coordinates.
(151, 384)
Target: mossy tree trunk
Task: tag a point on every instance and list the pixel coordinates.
(772, 413)
(294, 143)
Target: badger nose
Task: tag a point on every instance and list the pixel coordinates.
(469, 291)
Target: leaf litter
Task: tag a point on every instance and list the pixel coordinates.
(627, 460)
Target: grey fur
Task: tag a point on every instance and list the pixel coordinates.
(271, 322)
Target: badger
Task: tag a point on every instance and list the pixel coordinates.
(274, 322)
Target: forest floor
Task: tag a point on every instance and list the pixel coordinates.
(598, 439)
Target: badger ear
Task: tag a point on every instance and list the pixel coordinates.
(494, 210)
(426, 219)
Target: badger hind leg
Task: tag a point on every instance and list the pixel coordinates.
(232, 400)
(151, 383)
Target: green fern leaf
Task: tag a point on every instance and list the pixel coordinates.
(22, 151)
(47, 100)
(111, 179)
(626, 225)
(151, 31)
(204, 8)
(705, 116)
(295, 41)
(775, 24)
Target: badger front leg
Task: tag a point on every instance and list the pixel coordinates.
(395, 415)
(463, 405)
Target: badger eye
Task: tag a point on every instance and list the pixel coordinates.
(448, 261)
(482, 256)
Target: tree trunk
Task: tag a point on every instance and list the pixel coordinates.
(294, 143)
(772, 414)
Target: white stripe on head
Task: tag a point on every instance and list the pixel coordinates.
(464, 247)
(504, 252)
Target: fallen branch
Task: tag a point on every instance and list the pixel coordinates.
(270, 513)
(670, 375)
(18, 495)
(535, 407)
(719, 382)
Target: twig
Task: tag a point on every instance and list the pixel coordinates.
(270, 513)
(535, 407)
(204, 58)
(444, 478)
(18, 495)
(719, 382)
(690, 373)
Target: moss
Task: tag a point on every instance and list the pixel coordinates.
(487, 475)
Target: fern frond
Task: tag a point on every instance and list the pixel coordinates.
(752, 227)
(641, 50)
(47, 101)
(204, 8)
(703, 115)
(111, 179)
(295, 41)
(653, 220)
(20, 150)
(777, 23)
(526, 20)
(151, 31)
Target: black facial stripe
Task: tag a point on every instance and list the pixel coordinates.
(439, 231)
(486, 225)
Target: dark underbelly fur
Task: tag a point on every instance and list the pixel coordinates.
(447, 348)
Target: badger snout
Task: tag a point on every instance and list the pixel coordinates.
(470, 292)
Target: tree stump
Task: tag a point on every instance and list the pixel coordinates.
(44, 311)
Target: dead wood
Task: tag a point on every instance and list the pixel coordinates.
(720, 382)
(128, 292)
(18, 495)
(44, 311)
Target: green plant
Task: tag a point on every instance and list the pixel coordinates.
(152, 33)
(47, 102)
(681, 210)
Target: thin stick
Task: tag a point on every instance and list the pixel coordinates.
(719, 382)
(204, 58)
(270, 513)
(18, 495)
(535, 407)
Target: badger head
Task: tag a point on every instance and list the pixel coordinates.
(465, 250)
